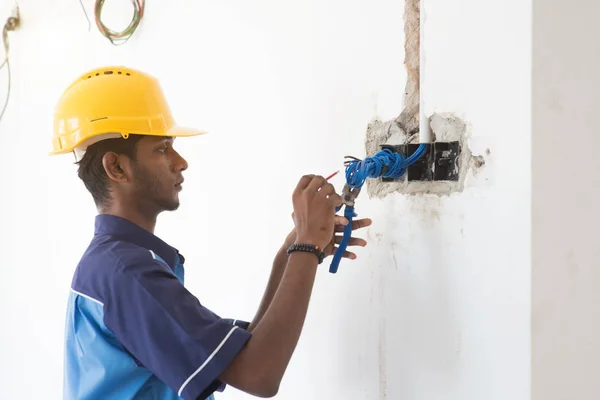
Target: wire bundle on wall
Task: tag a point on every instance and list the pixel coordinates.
(12, 23)
(138, 13)
(116, 37)
(357, 171)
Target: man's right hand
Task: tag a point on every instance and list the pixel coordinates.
(314, 202)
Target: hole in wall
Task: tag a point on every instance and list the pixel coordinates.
(442, 171)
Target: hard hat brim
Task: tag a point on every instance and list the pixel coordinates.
(183, 131)
(175, 131)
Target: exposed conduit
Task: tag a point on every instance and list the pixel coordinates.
(424, 129)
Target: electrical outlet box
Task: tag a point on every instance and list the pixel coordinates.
(445, 161)
(439, 162)
(421, 169)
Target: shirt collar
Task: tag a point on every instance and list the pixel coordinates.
(126, 230)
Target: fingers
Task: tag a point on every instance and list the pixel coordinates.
(331, 249)
(304, 182)
(356, 224)
(327, 189)
(347, 254)
(352, 242)
(316, 183)
(340, 220)
(324, 188)
(336, 200)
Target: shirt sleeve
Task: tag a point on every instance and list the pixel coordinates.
(164, 326)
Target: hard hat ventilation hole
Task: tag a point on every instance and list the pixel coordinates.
(110, 72)
(98, 119)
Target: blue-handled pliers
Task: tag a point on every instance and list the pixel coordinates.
(348, 198)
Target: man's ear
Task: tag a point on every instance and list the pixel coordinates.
(116, 167)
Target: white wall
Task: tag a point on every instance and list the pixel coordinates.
(436, 308)
(566, 255)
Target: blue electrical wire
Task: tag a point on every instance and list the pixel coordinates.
(358, 171)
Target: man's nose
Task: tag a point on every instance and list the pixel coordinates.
(180, 164)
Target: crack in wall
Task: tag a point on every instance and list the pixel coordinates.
(405, 128)
(408, 120)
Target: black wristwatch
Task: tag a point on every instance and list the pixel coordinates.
(309, 248)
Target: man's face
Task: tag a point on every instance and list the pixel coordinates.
(157, 173)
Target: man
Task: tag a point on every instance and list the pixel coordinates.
(133, 330)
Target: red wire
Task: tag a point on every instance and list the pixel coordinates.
(332, 175)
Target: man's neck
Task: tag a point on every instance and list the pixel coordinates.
(144, 220)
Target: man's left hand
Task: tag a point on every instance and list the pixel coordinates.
(340, 222)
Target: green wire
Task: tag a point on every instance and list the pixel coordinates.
(124, 35)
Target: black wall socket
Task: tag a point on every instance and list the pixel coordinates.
(445, 161)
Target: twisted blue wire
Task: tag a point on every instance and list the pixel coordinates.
(358, 171)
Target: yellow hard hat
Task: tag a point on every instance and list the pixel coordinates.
(112, 102)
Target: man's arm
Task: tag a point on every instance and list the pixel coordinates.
(281, 259)
(259, 367)
(277, 270)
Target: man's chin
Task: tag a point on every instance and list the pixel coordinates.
(173, 207)
(170, 206)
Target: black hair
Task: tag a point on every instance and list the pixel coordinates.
(91, 171)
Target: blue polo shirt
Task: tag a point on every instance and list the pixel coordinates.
(133, 331)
